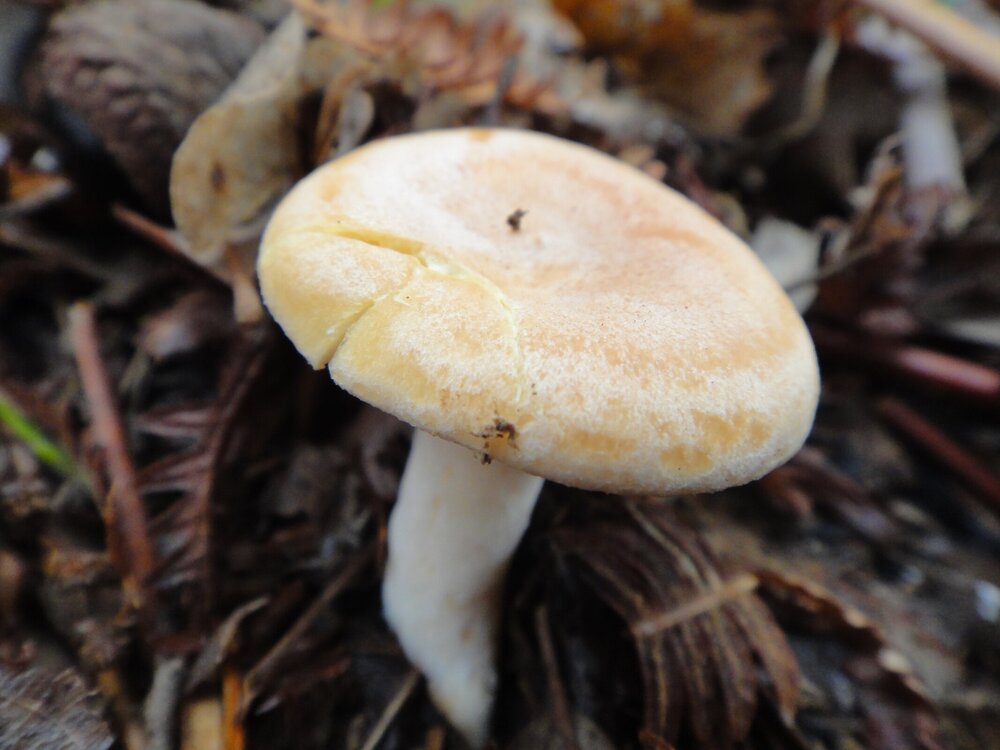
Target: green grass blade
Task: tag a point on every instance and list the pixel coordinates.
(48, 452)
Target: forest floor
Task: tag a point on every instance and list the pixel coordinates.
(193, 522)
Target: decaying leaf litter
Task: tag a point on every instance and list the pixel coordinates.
(192, 523)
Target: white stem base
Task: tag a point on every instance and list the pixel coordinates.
(456, 524)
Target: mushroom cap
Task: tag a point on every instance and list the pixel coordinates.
(621, 339)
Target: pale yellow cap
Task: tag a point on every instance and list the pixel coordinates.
(621, 339)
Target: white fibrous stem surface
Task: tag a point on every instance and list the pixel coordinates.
(456, 523)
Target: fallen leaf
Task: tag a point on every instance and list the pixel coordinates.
(791, 254)
(660, 578)
(222, 181)
(41, 709)
(898, 713)
(707, 64)
(423, 48)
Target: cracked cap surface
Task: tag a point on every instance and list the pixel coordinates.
(620, 339)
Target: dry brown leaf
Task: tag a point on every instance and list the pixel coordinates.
(698, 667)
(873, 259)
(898, 713)
(708, 64)
(426, 48)
(225, 180)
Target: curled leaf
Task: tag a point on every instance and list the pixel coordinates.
(708, 64)
(223, 178)
(699, 636)
(892, 699)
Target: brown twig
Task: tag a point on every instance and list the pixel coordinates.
(561, 716)
(780, 489)
(171, 241)
(924, 435)
(233, 731)
(945, 31)
(20, 234)
(435, 738)
(123, 510)
(943, 373)
(729, 590)
(401, 696)
(164, 238)
(266, 667)
(13, 576)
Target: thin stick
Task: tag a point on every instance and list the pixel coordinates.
(944, 373)
(162, 704)
(435, 738)
(561, 716)
(266, 666)
(171, 241)
(123, 511)
(166, 239)
(729, 590)
(404, 692)
(974, 474)
(233, 731)
(945, 31)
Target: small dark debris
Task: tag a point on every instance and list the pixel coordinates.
(514, 220)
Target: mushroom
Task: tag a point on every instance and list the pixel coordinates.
(618, 339)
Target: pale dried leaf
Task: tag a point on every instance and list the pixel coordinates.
(42, 709)
(241, 154)
(791, 254)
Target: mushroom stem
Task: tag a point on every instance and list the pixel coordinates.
(456, 524)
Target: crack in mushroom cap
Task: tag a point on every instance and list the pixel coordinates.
(621, 339)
